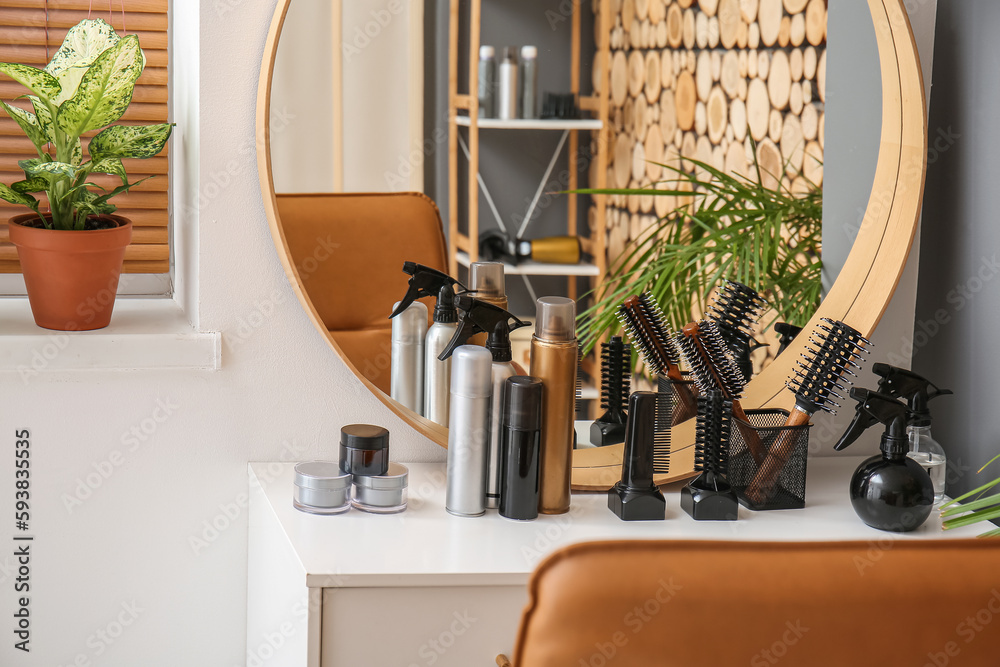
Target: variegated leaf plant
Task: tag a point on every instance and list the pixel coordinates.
(87, 86)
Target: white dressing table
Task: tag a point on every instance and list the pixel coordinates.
(427, 588)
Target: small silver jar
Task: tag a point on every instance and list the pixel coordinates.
(382, 494)
(321, 488)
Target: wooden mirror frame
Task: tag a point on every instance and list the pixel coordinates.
(862, 290)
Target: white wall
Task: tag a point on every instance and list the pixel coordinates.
(381, 56)
(281, 394)
(302, 137)
(130, 548)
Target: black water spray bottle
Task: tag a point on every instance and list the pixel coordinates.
(889, 491)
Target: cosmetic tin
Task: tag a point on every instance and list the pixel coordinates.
(321, 488)
(382, 494)
(364, 449)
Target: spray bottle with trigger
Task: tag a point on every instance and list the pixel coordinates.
(425, 282)
(481, 317)
(890, 491)
(916, 391)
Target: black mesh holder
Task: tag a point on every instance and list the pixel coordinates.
(790, 490)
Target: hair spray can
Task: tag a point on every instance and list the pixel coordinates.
(520, 441)
(406, 383)
(554, 360)
(468, 430)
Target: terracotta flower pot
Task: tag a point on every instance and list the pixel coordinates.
(71, 275)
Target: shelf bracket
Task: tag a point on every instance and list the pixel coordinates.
(541, 185)
(482, 186)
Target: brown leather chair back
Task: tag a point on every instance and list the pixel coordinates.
(886, 602)
(349, 249)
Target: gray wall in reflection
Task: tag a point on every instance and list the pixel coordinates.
(853, 126)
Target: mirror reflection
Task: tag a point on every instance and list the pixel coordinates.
(696, 99)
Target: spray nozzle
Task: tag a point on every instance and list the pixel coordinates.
(875, 408)
(787, 333)
(424, 282)
(476, 316)
(914, 389)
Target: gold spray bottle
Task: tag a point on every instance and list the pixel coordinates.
(554, 359)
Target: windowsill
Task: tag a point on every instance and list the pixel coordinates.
(145, 333)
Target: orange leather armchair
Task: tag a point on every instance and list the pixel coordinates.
(886, 602)
(349, 249)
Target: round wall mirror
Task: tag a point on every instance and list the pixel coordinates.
(859, 296)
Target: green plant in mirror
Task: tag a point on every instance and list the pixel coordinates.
(980, 504)
(735, 228)
(87, 86)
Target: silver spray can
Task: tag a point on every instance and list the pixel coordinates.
(507, 85)
(529, 82)
(468, 430)
(406, 383)
(437, 373)
(500, 372)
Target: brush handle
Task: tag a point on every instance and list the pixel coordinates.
(762, 485)
(749, 433)
(687, 403)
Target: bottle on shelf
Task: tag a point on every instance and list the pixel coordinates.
(507, 85)
(529, 82)
(487, 88)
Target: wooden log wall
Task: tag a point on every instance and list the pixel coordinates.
(698, 78)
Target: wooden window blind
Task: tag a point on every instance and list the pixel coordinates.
(30, 33)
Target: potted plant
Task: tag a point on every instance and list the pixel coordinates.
(729, 226)
(71, 251)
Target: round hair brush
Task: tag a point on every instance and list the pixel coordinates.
(712, 368)
(616, 359)
(835, 349)
(736, 309)
(645, 324)
(709, 497)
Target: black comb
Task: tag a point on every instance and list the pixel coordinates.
(643, 320)
(661, 435)
(616, 362)
(834, 349)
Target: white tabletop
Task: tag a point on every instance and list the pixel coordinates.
(427, 546)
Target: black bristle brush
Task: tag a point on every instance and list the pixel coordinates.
(645, 324)
(835, 349)
(709, 496)
(616, 377)
(712, 368)
(736, 309)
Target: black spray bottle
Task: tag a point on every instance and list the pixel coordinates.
(520, 444)
(426, 282)
(890, 491)
(476, 317)
(917, 391)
